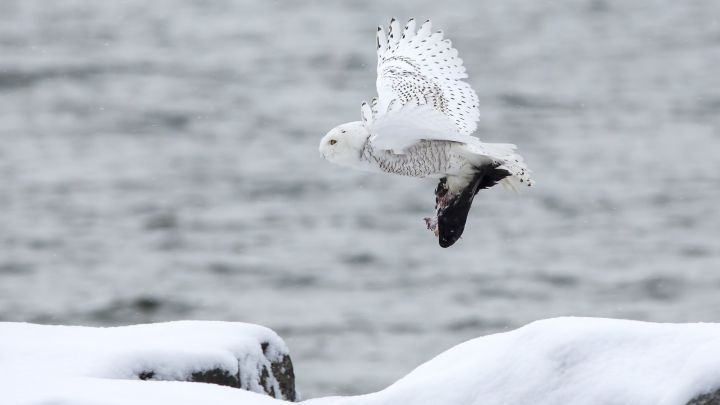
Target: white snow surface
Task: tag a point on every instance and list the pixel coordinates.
(97, 391)
(557, 361)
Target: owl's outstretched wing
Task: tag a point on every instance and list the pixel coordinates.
(402, 126)
(419, 67)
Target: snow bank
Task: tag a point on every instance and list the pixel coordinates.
(235, 354)
(96, 391)
(579, 361)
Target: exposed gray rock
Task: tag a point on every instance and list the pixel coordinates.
(285, 376)
(712, 398)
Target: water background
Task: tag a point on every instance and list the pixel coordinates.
(158, 161)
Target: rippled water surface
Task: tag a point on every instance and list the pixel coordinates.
(158, 161)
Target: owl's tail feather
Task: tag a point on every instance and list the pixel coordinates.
(452, 208)
(506, 154)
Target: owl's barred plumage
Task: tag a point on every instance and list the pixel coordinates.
(424, 159)
(421, 125)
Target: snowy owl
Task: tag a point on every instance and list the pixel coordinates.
(421, 125)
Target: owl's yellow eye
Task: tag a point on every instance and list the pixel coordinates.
(333, 142)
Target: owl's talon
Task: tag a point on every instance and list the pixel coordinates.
(432, 225)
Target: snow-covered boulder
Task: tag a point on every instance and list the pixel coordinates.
(233, 354)
(579, 361)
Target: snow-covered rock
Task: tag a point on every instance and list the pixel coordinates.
(233, 354)
(579, 361)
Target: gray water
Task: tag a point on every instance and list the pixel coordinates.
(158, 161)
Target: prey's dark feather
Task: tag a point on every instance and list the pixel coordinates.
(452, 211)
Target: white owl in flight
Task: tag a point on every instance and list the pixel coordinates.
(421, 125)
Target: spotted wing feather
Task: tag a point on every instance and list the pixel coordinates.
(421, 67)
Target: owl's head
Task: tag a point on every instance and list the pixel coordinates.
(344, 143)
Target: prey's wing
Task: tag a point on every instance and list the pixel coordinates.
(419, 67)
